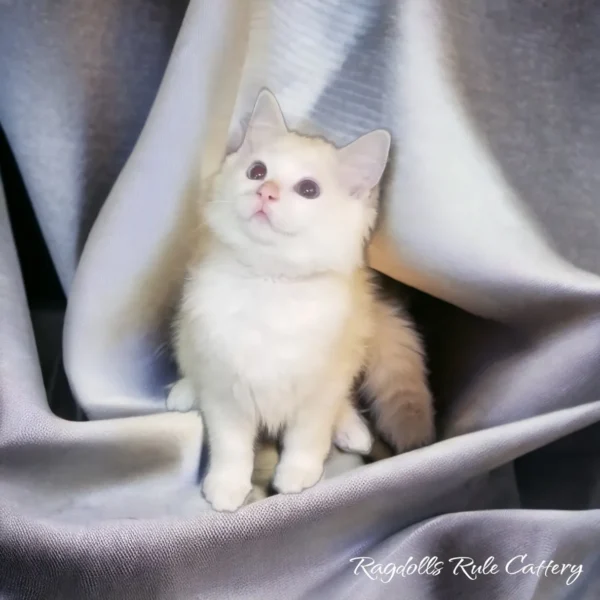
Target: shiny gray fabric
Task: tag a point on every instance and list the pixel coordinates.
(490, 209)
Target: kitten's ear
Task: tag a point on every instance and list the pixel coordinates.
(266, 121)
(363, 161)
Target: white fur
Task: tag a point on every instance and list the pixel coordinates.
(352, 433)
(181, 396)
(267, 303)
(270, 337)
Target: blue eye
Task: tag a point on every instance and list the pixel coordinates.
(307, 188)
(257, 170)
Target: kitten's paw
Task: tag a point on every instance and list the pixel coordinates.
(224, 492)
(181, 397)
(352, 434)
(293, 477)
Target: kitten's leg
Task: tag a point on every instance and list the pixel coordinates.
(181, 396)
(306, 444)
(231, 433)
(351, 432)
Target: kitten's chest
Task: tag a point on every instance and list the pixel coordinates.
(268, 326)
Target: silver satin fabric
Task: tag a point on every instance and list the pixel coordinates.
(490, 209)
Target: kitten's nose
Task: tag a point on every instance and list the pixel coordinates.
(268, 191)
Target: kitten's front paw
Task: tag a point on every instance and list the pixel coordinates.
(181, 398)
(293, 477)
(224, 492)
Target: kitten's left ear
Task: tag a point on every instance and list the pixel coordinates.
(363, 161)
(266, 122)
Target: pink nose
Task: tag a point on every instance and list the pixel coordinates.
(268, 191)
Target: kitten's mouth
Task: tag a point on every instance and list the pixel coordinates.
(263, 216)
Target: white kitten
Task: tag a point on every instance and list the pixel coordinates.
(278, 317)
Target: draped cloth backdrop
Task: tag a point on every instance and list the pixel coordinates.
(115, 112)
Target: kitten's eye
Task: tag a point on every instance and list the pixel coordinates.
(257, 170)
(307, 188)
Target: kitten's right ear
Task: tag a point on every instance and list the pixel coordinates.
(363, 161)
(266, 121)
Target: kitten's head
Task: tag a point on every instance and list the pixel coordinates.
(290, 204)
